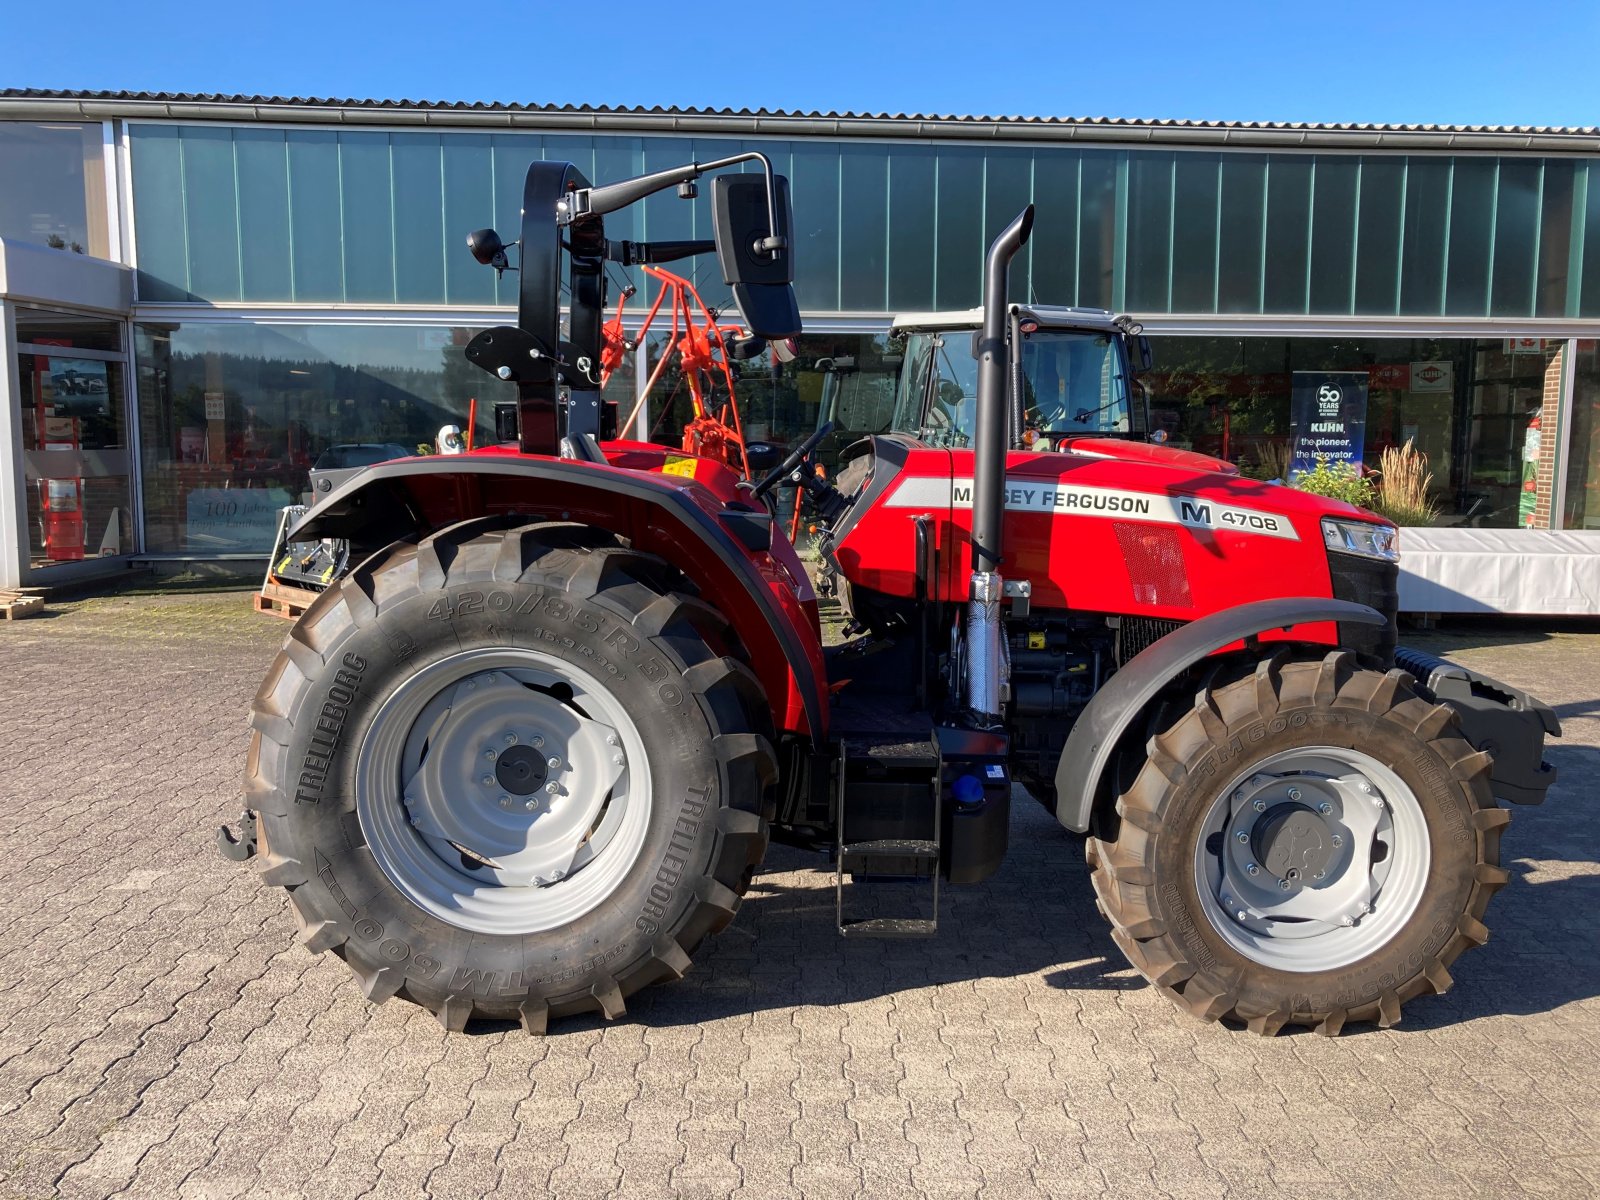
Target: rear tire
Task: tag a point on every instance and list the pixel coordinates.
(1382, 836)
(404, 796)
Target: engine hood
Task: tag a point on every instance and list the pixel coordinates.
(1149, 452)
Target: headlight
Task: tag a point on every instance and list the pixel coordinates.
(1361, 537)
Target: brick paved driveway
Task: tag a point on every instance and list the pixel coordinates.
(161, 1034)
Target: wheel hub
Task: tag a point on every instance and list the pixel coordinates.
(1294, 843)
(520, 770)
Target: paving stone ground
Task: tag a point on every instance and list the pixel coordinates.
(162, 1034)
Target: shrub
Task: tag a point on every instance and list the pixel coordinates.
(1337, 481)
(1403, 483)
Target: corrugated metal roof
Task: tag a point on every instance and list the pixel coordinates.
(19, 102)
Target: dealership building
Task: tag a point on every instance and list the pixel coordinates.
(201, 295)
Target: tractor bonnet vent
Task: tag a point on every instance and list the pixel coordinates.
(1135, 633)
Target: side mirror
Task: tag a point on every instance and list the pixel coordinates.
(1143, 357)
(762, 456)
(762, 279)
(487, 248)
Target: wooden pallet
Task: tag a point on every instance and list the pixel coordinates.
(15, 605)
(283, 601)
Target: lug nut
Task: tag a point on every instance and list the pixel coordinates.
(531, 805)
(489, 754)
(487, 781)
(552, 788)
(1260, 805)
(1239, 795)
(1252, 869)
(611, 739)
(1365, 786)
(1294, 793)
(511, 739)
(1283, 885)
(505, 801)
(618, 759)
(553, 762)
(1337, 841)
(1324, 808)
(1240, 914)
(537, 741)
(1242, 836)
(1347, 921)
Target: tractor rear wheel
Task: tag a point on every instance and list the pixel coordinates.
(1310, 845)
(510, 772)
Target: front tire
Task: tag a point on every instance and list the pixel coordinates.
(1310, 845)
(510, 773)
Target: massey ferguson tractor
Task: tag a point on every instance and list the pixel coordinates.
(526, 754)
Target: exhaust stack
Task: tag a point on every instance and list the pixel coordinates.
(985, 663)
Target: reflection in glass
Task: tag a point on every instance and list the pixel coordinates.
(55, 189)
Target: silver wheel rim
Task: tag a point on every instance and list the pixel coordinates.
(503, 790)
(1349, 858)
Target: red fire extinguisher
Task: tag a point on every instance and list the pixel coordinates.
(61, 500)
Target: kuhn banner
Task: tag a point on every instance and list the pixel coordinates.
(1328, 418)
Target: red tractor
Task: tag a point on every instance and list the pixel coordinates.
(526, 755)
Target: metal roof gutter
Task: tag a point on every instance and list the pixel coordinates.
(657, 122)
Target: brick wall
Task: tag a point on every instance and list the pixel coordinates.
(1549, 427)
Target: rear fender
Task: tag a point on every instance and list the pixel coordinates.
(727, 553)
(1117, 708)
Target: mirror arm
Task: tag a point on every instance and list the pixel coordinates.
(633, 253)
(597, 201)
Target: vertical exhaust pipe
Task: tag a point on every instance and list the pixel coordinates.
(984, 655)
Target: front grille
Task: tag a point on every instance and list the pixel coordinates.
(1373, 582)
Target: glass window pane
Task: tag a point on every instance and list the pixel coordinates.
(1007, 190)
(1422, 261)
(54, 193)
(1097, 229)
(469, 205)
(1589, 305)
(863, 236)
(911, 227)
(1196, 181)
(1288, 234)
(1555, 238)
(1516, 237)
(814, 192)
(1055, 226)
(43, 326)
(1244, 181)
(1378, 234)
(1471, 231)
(1583, 452)
(370, 247)
(418, 166)
(1149, 237)
(958, 280)
(233, 414)
(262, 163)
(158, 223)
(211, 213)
(1333, 233)
(318, 254)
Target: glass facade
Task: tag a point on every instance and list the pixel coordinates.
(54, 191)
(257, 214)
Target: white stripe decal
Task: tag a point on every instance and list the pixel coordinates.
(1039, 496)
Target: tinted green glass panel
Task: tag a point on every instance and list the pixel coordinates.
(1055, 227)
(1194, 232)
(814, 187)
(512, 154)
(1007, 190)
(959, 265)
(911, 227)
(417, 166)
(1333, 233)
(1097, 231)
(1471, 228)
(211, 213)
(468, 205)
(371, 250)
(317, 252)
(158, 222)
(1423, 245)
(1516, 238)
(1555, 238)
(262, 164)
(1378, 234)
(1244, 182)
(1288, 247)
(864, 231)
(1149, 238)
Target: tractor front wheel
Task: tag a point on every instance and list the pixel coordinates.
(1310, 845)
(510, 772)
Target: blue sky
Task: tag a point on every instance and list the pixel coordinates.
(1468, 62)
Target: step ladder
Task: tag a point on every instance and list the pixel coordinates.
(886, 862)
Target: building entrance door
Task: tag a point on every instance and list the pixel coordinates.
(73, 425)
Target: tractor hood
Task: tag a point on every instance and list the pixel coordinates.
(1148, 452)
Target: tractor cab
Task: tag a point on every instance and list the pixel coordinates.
(1071, 372)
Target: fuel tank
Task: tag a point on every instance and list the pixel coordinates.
(1098, 526)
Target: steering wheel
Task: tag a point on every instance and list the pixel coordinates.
(796, 457)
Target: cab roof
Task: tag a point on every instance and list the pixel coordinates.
(1049, 316)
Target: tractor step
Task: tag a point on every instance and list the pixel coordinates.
(888, 786)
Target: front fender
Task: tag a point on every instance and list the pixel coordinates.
(725, 551)
(1116, 706)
